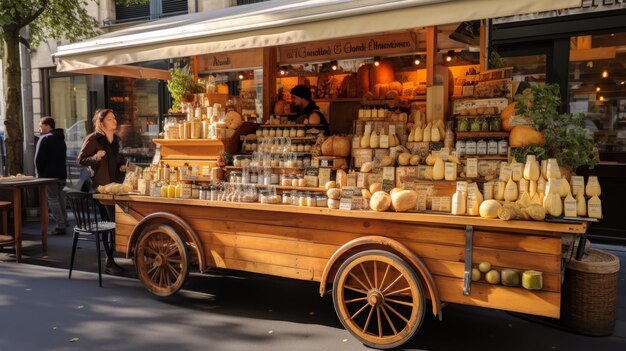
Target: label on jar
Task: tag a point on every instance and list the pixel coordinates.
(503, 147)
(505, 172)
(461, 186)
(460, 147)
(492, 147)
(471, 170)
(481, 147)
(470, 147)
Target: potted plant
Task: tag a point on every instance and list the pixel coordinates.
(564, 133)
(182, 86)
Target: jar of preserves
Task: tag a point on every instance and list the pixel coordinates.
(470, 147)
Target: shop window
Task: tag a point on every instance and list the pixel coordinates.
(530, 68)
(597, 88)
(135, 102)
(246, 2)
(153, 10)
(68, 103)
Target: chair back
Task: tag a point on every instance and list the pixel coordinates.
(86, 211)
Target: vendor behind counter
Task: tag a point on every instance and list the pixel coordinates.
(307, 108)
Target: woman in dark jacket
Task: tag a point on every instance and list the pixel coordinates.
(101, 153)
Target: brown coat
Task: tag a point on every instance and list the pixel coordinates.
(93, 143)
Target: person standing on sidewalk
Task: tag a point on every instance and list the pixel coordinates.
(50, 162)
(101, 152)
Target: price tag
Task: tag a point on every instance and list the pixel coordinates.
(505, 172)
(324, 175)
(351, 179)
(578, 184)
(461, 186)
(360, 180)
(472, 168)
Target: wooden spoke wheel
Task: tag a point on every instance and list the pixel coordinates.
(161, 260)
(379, 299)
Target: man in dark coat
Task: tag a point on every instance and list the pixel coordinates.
(50, 157)
(305, 106)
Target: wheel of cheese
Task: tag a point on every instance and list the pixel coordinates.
(233, 120)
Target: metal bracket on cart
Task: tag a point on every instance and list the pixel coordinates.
(122, 204)
(467, 274)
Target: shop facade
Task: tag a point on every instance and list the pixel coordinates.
(584, 51)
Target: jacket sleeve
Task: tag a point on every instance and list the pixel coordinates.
(86, 156)
(43, 154)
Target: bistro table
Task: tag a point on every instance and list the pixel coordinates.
(16, 185)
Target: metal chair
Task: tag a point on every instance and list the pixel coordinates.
(89, 225)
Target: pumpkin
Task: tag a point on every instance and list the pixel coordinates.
(525, 135)
(336, 146)
(505, 117)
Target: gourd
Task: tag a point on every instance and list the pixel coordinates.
(404, 158)
(404, 200)
(593, 186)
(365, 140)
(505, 117)
(581, 204)
(510, 191)
(427, 133)
(553, 203)
(374, 140)
(438, 169)
(499, 193)
(531, 168)
(411, 135)
(521, 136)
(380, 201)
(489, 209)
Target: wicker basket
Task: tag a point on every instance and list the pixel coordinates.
(589, 294)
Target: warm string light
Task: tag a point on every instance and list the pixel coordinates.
(417, 60)
(376, 61)
(333, 65)
(597, 88)
(605, 74)
(449, 56)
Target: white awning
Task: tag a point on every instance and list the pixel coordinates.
(280, 22)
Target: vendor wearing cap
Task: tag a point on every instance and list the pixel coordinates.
(302, 103)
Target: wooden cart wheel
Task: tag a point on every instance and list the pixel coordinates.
(161, 260)
(379, 299)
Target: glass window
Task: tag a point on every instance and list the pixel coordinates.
(135, 102)
(68, 103)
(597, 88)
(531, 68)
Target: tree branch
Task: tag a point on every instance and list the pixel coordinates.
(27, 20)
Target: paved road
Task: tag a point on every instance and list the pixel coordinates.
(40, 309)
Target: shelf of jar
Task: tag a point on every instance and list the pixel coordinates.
(476, 116)
(486, 157)
(277, 170)
(299, 153)
(247, 138)
(289, 125)
(474, 135)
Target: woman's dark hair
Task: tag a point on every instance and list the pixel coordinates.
(98, 119)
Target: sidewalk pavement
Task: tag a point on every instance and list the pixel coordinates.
(40, 309)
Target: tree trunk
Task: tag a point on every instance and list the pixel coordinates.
(14, 134)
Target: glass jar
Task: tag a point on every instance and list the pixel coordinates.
(460, 147)
(494, 124)
(481, 147)
(310, 200)
(503, 147)
(492, 147)
(470, 147)
(321, 201)
(235, 177)
(484, 125)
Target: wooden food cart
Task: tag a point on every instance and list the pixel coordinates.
(380, 267)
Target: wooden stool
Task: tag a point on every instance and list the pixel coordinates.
(5, 238)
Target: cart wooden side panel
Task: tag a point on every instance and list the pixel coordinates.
(297, 242)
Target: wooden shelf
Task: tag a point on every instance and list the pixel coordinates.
(486, 157)
(474, 135)
(289, 125)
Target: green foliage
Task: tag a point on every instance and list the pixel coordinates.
(496, 61)
(182, 83)
(565, 137)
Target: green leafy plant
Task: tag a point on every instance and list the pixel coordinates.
(496, 61)
(181, 85)
(564, 133)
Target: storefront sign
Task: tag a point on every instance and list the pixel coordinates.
(587, 6)
(230, 60)
(348, 48)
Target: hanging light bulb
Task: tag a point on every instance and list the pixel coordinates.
(449, 56)
(282, 71)
(605, 74)
(376, 61)
(601, 98)
(597, 88)
(333, 65)
(241, 76)
(417, 60)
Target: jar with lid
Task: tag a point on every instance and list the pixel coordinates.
(494, 124)
(321, 200)
(235, 177)
(274, 179)
(481, 147)
(460, 147)
(492, 147)
(484, 125)
(286, 179)
(310, 200)
(302, 199)
(202, 193)
(470, 147)
(195, 191)
(254, 177)
(185, 190)
(503, 147)
(213, 193)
